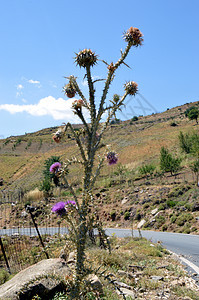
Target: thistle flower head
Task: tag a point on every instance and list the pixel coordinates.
(134, 36)
(69, 90)
(111, 158)
(131, 87)
(111, 67)
(86, 58)
(54, 168)
(59, 208)
(58, 135)
(77, 104)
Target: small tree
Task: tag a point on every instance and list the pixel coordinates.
(192, 113)
(83, 218)
(185, 142)
(168, 163)
(195, 169)
(189, 143)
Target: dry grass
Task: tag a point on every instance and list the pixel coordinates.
(34, 195)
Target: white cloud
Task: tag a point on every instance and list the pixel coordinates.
(34, 81)
(20, 87)
(58, 109)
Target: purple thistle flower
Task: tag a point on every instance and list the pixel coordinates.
(54, 168)
(111, 158)
(70, 202)
(59, 208)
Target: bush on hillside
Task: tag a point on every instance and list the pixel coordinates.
(168, 163)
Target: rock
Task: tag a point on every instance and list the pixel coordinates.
(126, 199)
(71, 258)
(95, 283)
(141, 223)
(33, 280)
(127, 293)
(24, 214)
(128, 274)
(122, 284)
(156, 278)
(154, 211)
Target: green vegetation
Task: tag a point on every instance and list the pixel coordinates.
(147, 170)
(192, 113)
(168, 163)
(48, 177)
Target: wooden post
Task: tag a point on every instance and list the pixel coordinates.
(4, 255)
(35, 224)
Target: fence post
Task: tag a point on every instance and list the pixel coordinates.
(35, 224)
(4, 255)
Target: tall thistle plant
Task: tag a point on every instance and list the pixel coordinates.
(79, 211)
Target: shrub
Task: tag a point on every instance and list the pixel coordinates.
(162, 206)
(4, 276)
(34, 195)
(127, 215)
(168, 163)
(147, 170)
(171, 203)
(185, 142)
(135, 118)
(192, 113)
(164, 227)
(173, 219)
(182, 219)
(173, 124)
(113, 215)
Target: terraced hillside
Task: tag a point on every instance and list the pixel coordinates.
(121, 191)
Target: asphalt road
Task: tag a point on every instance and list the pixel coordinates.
(182, 244)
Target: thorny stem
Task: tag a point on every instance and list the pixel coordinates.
(80, 115)
(78, 141)
(97, 172)
(109, 79)
(91, 93)
(115, 107)
(76, 86)
(72, 192)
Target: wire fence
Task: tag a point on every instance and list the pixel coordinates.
(27, 233)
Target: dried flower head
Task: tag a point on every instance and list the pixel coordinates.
(58, 135)
(77, 104)
(54, 168)
(111, 67)
(134, 36)
(111, 158)
(69, 90)
(86, 58)
(131, 87)
(59, 208)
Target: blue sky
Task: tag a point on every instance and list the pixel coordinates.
(39, 40)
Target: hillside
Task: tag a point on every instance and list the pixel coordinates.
(121, 191)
